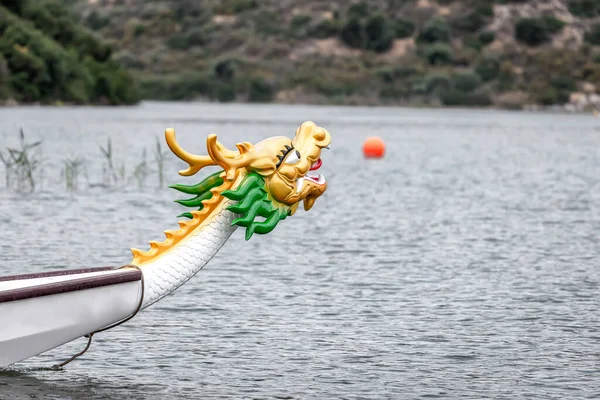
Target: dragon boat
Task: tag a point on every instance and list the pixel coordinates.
(255, 187)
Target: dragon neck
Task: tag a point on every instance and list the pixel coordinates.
(222, 206)
(246, 197)
(208, 198)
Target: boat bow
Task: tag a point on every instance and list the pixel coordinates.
(256, 187)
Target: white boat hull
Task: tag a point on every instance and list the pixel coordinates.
(40, 312)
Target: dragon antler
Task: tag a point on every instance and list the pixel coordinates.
(196, 163)
(218, 154)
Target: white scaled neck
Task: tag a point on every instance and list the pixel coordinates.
(164, 274)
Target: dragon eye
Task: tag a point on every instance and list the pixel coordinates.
(293, 157)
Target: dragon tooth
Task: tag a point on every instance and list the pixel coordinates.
(299, 184)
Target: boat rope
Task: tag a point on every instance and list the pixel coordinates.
(90, 335)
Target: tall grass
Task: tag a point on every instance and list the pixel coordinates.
(159, 158)
(140, 172)
(73, 168)
(112, 176)
(21, 164)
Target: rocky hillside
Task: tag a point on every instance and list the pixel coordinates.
(505, 53)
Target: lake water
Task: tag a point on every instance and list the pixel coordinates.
(463, 265)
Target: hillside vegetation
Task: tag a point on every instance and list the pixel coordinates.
(504, 53)
(46, 56)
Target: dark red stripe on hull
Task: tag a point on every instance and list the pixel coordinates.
(48, 289)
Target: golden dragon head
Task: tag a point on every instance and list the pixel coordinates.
(271, 177)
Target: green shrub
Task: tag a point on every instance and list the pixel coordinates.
(196, 37)
(391, 74)
(139, 30)
(405, 71)
(96, 21)
(439, 54)
(75, 67)
(51, 18)
(336, 89)
(384, 74)
(358, 10)
(506, 77)
(353, 35)
(487, 37)
(488, 69)
(244, 5)
(553, 24)
(5, 91)
(393, 92)
(473, 43)
(380, 33)
(404, 28)
(584, 8)
(434, 30)
(260, 91)
(326, 29)
(223, 92)
(268, 23)
(129, 60)
(552, 96)
(229, 7)
(436, 83)
(183, 86)
(4, 71)
(564, 83)
(537, 31)
(15, 6)
(465, 81)
(189, 9)
(485, 8)
(464, 57)
(591, 72)
(55, 20)
(510, 1)
(331, 84)
(111, 83)
(374, 33)
(300, 22)
(418, 85)
(453, 97)
(593, 35)
(225, 70)
(178, 41)
(531, 31)
(39, 67)
(471, 22)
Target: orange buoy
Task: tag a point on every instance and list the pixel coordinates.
(374, 147)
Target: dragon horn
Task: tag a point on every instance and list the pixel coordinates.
(195, 162)
(229, 160)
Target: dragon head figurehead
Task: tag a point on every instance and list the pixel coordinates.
(269, 179)
(293, 178)
(255, 187)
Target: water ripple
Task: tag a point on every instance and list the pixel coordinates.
(463, 265)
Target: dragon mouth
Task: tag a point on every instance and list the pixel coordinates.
(311, 176)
